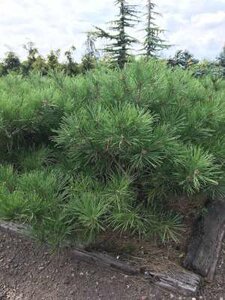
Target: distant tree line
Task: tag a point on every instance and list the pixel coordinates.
(36, 62)
(118, 51)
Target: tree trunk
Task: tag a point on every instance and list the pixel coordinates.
(205, 245)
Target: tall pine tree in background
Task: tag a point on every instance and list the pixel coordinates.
(221, 58)
(71, 67)
(153, 43)
(91, 53)
(121, 41)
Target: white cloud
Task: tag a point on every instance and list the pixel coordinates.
(194, 25)
(209, 20)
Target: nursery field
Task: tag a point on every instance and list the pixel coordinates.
(132, 152)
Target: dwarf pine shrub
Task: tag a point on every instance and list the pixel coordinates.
(99, 151)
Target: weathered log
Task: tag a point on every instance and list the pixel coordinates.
(177, 280)
(206, 241)
(105, 260)
(15, 228)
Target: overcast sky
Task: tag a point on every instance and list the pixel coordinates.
(198, 26)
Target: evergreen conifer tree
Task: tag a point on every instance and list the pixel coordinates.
(71, 67)
(153, 43)
(11, 63)
(53, 60)
(183, 59)
(32, 54)
(91, 53)
(121, 41)
(221, 58)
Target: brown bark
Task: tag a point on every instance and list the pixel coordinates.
(206, 241)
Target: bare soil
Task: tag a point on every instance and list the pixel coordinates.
(30, 271)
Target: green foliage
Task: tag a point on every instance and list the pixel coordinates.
(96, 152)
(36, 63)
(110, 138)
(11, 63)
(54, 229)
(29, 198)
(12, 205)
(53, 60)
(198, 169)
(138, 133)
(87, 210)
(119, 193)
(166, 226)
(71, 68)
(24, 122)
(183, 59)
(35, 159)
(127, 221)
(39, 182)
(7, 177)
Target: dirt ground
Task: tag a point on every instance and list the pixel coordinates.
(30, 271)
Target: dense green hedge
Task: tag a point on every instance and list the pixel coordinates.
(124, 141)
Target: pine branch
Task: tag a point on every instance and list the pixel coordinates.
(100, 33)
